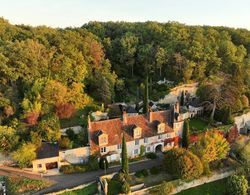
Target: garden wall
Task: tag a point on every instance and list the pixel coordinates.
(186, 185)
(75, 156)
(76, 129)
(176, 91)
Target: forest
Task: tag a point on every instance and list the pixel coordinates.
(48, 74)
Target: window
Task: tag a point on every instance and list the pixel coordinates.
(145, 140)
(148, 149)
(103, 149)
(137, 142)
(119, 146)
(39, 166)
(136, 151)
(159, 136)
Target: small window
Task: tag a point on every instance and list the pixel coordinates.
(103, 150)
(137, 142)
(136, 151)
(159, 136)
(39, 166)
(119, 146)
(145, 140)
(148, 149)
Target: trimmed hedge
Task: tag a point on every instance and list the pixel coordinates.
(81, 168)
(154, 170)
(151, 155)
(142, 173)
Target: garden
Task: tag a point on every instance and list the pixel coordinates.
(88, 190)
(22, 185)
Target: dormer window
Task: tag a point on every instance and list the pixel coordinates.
(161, 128)
(137, 132)
(103, 139)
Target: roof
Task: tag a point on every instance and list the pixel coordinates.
(115, 128)
(130, 109)
(195, 102)
(48, 150)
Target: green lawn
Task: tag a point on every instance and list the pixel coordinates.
(89, 190)
(213, 188)
(197, 125)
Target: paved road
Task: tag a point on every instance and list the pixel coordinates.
(72, 180)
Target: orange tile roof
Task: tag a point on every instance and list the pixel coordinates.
(115, 128)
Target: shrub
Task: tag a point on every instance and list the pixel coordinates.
(183, 164)
(125, 187)
(237, 185)
(154, 170)
(165, 188)
(103, 163)
(142, 150)
(81, 168)
(142, 173)
(71, 134)
(65, 143)
(151, 155)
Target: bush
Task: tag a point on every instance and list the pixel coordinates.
(125, 187)
(165, 188)
(71, 134)
(65, 143)
(142, 173)
(154, 170)
(237, 185)
(81, 168)
(151, 155)
(183, 164)
(103, 163)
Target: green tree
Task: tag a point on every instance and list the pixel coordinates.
(125, 167)
(183, 164)
(145, 102)
(237, 185)
(25, 155)
(182, 98)
(8, 139)
(185, 134)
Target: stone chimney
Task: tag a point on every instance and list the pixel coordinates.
(150, 117)
(89, 122)
(177, 107)
(124, 117)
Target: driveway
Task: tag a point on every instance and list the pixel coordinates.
(72, 180)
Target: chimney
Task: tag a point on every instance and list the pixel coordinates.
(124, 117)
(89, 122)
(150, 117)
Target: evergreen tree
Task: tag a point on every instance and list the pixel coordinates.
(125, 167)
(185, 135)
(182, 98)
(145, 103)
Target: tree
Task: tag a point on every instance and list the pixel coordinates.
(182, 98)
(237, 185)
(145, 102)
(25, 155)
(125, 167)
(185, 134)
(183, 164)
(244, 101)
(8, 139)
(64, 111)
(211, 146)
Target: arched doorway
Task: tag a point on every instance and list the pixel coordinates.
(158, 148)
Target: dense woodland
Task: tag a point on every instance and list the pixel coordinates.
(47, 74)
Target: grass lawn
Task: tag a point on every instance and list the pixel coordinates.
(89, 190)
(213, 188)
(197, 125)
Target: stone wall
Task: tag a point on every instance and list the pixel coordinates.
(240, 121)
(175, 92)
(76, 155)
(76, 129)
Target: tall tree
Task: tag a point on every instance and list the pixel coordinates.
(145, 102)
(125, 167)
(185, 134)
